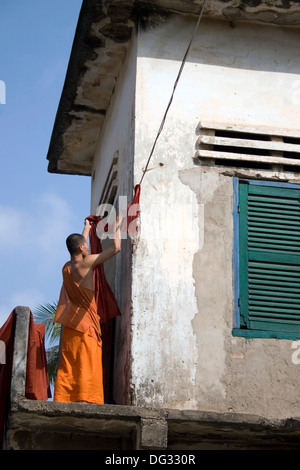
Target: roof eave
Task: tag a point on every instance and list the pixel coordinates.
(102, 37)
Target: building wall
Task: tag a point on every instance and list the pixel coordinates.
(117, 138)
(183, 352)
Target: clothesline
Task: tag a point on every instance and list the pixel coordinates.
(133, 208)
(172, 95)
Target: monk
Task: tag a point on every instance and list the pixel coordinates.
(79, 375)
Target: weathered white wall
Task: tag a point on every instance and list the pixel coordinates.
(183, 352)
(118, 136)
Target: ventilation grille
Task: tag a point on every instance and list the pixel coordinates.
(249, 147)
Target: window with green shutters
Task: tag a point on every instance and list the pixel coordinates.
(269, 260)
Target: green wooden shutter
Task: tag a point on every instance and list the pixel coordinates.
(269, 227)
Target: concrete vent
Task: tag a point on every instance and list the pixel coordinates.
(249, 147)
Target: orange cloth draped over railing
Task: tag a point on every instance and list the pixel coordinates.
(37, 382)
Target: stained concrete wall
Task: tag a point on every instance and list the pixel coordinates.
(183, 352)
(174, 282)
(117, 138)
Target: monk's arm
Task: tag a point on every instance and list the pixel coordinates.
(86, 230)
(94, 260)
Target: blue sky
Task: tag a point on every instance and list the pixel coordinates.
(38, 210)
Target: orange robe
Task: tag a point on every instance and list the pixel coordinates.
(79, 375)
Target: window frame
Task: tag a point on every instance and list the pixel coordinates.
(237, 330)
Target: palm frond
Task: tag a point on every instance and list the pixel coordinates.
(52, 362)
(45, 314)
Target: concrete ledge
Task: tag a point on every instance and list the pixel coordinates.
(188, 429)
(47, 425)
(53, 425)
(57, 426)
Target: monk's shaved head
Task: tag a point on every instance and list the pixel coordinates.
(73, 241)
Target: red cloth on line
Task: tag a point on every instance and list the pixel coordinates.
(133, 212)
(105, 299)
(129, 223)
(106, 303)
(37, 382)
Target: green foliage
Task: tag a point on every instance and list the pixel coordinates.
(52, 362)
(45, 314)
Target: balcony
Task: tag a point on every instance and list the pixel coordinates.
(48, 425)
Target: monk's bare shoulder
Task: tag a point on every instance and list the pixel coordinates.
(82, 274)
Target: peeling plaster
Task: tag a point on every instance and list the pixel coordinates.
(208, 263)
(101, 42)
